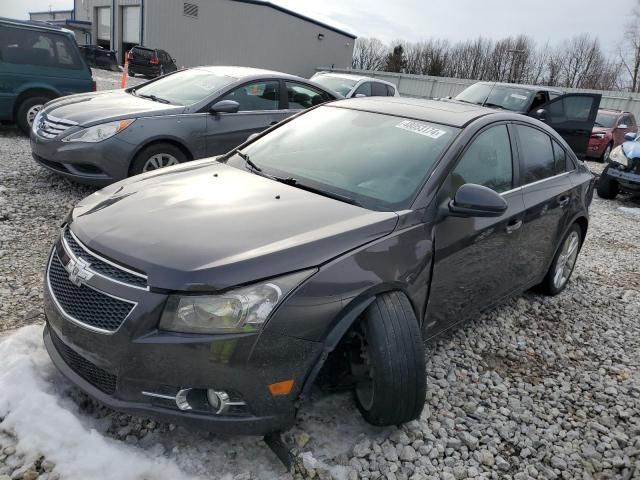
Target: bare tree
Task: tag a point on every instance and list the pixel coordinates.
(369, 54)
(629, 51)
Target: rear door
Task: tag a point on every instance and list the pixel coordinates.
(474, 256)
(572, 116)
(260, 107)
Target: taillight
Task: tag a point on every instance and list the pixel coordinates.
(130, 55)
(93, 86)
(154, 61)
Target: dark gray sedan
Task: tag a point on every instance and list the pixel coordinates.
(99, 138)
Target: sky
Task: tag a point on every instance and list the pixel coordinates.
(414, 20)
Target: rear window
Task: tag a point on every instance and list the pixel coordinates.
(20, 46)
(496, 96)
(338, 84)
(142, 53)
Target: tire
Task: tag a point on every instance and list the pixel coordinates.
(549, 285)
(162, 152)
(607, 186)
(26, 111)
(607, 151)
(392, 355)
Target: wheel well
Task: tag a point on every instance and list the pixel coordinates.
(583, 223)
(170, 141)
(33, 92)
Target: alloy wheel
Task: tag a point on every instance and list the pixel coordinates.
(607, 152)
(32, 112)
(566, 260)
(159, 160)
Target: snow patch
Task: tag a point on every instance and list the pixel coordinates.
(633, 211)
(46, 423)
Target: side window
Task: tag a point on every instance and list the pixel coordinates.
(391, 91)
(560, 159)
(256, 96)
(378, 89)
(538, 161)
(570, 107)
(487, 161)
(302, 96)
(632, 121)
(364, 89)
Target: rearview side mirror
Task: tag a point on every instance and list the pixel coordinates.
(360, 95)
(541, 113)
(630, 136)
(224, 106)
(473, 200)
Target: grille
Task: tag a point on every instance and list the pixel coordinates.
(190, 10)
(84, 304)
(51, 127)
(100, 266)
(99, 378)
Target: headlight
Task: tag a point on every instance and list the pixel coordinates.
(617, 156)
(242, 309)
(36, 121)
(598, 136)
(98, 133)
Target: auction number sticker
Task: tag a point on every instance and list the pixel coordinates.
(421, 128)
(518, 96)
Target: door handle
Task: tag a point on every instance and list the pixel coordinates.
(513, 225)
(563, 200)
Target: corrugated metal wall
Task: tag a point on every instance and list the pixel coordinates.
(235, 33)
(433, 87)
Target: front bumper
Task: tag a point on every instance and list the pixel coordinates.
(121, 367)
(628, 180)
(90, 163)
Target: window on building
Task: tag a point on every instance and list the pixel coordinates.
(487, 161)
(256, 96)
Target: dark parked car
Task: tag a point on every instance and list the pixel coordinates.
(609, 131)
(104, 137)
(622, 173)
(213, 293)
(150, 62)
(572, 115)
(38, 62)
(98, 57)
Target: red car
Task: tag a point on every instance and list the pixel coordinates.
(609, 131)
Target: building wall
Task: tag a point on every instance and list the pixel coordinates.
(232, 33)
(235, 33)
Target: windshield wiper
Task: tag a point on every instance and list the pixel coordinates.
(154, 98)
(247, 160)
(494, 105)
(303, 186)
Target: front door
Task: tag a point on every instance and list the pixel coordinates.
(473, 261)
(572, 116)
(260, 107)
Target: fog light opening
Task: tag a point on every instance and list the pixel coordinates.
(219, 401)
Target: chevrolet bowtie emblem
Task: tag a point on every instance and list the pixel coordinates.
(79, 272)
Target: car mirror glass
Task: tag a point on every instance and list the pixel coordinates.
(224, 106)
(471, 200)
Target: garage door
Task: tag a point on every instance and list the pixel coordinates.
(103, 16)
(131, 25)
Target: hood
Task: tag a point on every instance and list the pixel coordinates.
(93, 108)
(208, 226)
(601, 130)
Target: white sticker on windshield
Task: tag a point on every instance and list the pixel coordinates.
(421, 128)
(518, 96)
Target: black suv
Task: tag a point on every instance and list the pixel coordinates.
(214, 293)
(150, 62)
(98, 57)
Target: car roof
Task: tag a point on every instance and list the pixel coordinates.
(537, 88)
(249, 73)
(355, 77)
(35, 25)
(448, 113)
(611, 111)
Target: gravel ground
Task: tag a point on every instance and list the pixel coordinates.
(537, 388)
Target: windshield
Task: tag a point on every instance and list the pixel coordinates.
(186, 87)
(338, 84)
(605, 121)
(497, 96)
(378, 161)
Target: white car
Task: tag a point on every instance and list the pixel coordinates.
(355, 85)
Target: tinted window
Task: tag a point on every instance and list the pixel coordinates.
(301, 96)
(379, 160)
(256, 96)
(391, 91)
(378, 89)
(538, 161)
(27, 47)
(570, 107)
(364, 89)
(560, 158)
(487, 161)
(605, 120)
(496, 95)
(186, 87)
